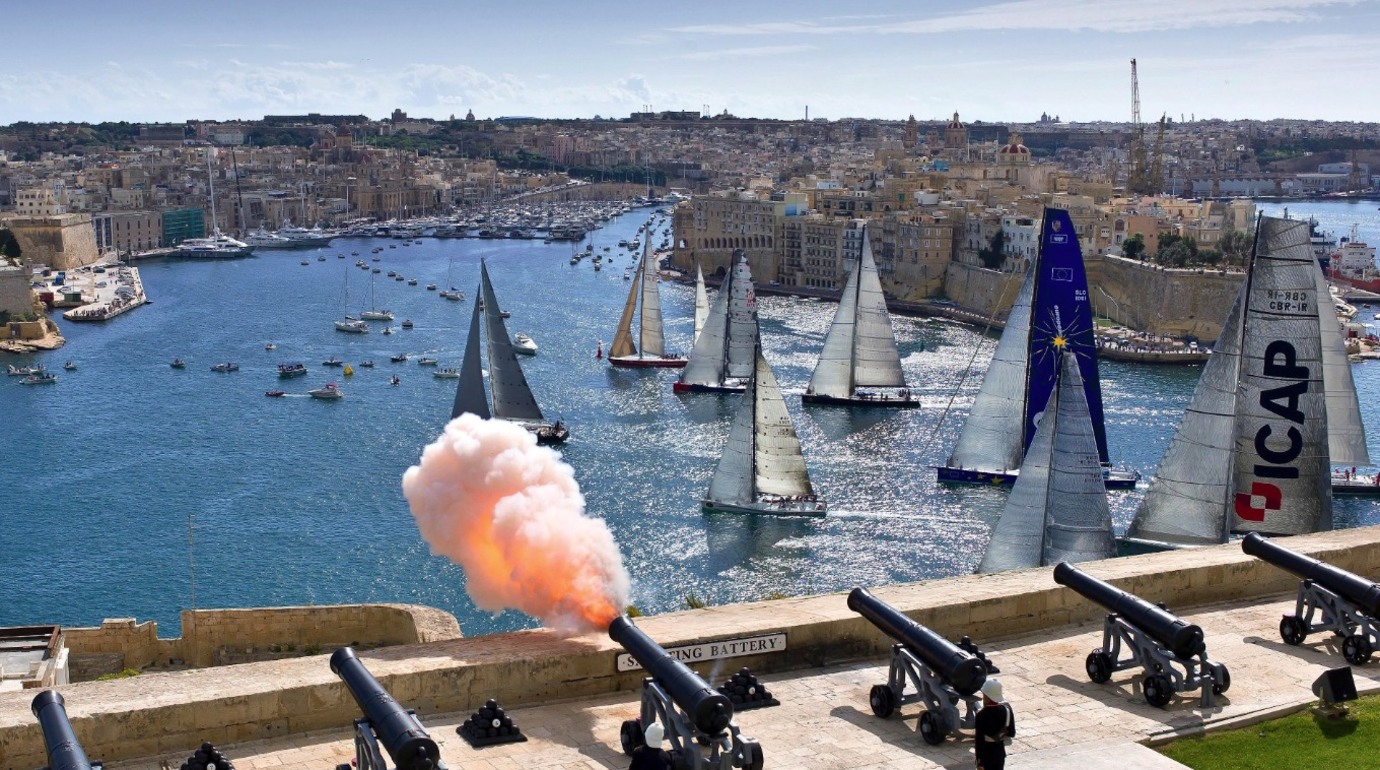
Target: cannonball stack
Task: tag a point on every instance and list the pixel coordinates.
(207, 757)
(489, 726)
(746, 692)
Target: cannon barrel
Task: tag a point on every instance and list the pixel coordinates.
(960, 668)
(1348, 585)
(64, 752)
(400, 734)
(1182, 638)
(710, 709)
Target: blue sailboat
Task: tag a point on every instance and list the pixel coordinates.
(1052, 316)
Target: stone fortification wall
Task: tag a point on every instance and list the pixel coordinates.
(62, 242)
(220, 637)
(171, 713)
(981, 290)
(15, 296)
(1159, 301)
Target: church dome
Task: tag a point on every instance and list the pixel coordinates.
(1015, 148)
(955, 123)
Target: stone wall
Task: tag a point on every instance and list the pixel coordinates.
(1159, 301)
(171, 713)
(62, 242)
(219, 637)
(980, 289)
(15, 296)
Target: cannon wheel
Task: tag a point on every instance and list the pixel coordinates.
(752, 755)
(1158, 690)
(1292, 630)
(932, 728)
(630, 735)
(1099, 666)
(1222, 682)
(1356, 649)
(882, 700)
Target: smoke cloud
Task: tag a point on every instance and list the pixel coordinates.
(511, 514)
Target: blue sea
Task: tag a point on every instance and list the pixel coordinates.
(136, 490)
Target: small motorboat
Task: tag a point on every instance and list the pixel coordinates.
(291, 369)
(270, 346)
(426, 361)
(448, 373)
(399, 358)
(411, 281)
(399, 278)
(378, 270)
(524, 345)
(333, 361)
(275, 393)
(321, 258)
(431, 287)
(70, 366)
(39, 378)
(396, 380)
(367, 364)
(391, 273)
(375, 259)
(327, 392)
(178, 363)
(305, 263)
(225, 366)
(354, 253)
(387, 330)
(406, 324)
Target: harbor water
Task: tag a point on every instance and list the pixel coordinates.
(134, 489)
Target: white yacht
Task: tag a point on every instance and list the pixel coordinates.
(217, 246)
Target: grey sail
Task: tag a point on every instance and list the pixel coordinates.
(469, 392)
(1282, 479)
(1346, 434)
(1018, 538)
(876, 362)
(833, 375)
(512, 397)
(1079, 524)
(1185, 504)
(732, 482)
(992, 436)
(653, 341)
(706, 363)
(742, 321)
(701, 301)
(778, 463)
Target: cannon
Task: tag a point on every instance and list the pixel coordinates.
(385, 722)
(64, 751)
(1169, 649)
(697, 719)
(943, 674)
(1342, 602)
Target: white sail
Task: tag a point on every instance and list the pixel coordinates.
(1346, 434)
(512, 397)
(742, 321)
(1186, 501)
(623, 344)
(733, 478)
(778, 462)
(1282, 479)
(653, 341)
(992, 436)
(707, 357)
(469, 391)
(1018, 538)
(876, 362)
(701, 301)
(833, 375)
(1079, 525)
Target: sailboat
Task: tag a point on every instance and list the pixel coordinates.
(1058, 508)
(1052, 305)
(451, 293)
(762, 469)
(721, 359)
(860, 349)
(701, 301)
(1253, 449)
(649, 349)
(373, 313)
(349, 323)
(512, 397)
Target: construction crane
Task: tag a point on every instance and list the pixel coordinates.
(1137, 182)
(1156, 162)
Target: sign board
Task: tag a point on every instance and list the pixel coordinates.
(724, 648)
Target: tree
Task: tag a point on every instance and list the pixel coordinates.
(995, 254)
(1236, 247)
(1176, 251)
(1133, 247)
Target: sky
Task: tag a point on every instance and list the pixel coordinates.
(1004, 61)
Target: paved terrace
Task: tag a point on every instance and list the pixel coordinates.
(568, 698)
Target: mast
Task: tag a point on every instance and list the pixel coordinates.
(211, 193)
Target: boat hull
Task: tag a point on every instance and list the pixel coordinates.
(692, 387)
(1355, 488)
(1134, 546)
(815, 508)
(947, 475)
(890, 402)
(638, 362)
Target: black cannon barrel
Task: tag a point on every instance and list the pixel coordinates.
(960, 668)
(1350, 586)
(710, 709)
(64, 752)
(397, 731)
(1182, 638)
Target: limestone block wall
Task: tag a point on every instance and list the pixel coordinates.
(61, 242)
(15, 296)
(171, 713)
(1172, 302)
(979, 289)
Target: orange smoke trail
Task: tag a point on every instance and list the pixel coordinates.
(510, 513)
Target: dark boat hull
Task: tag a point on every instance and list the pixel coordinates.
(891, 402)
(689, 387)
(636, 362)
(948, 475)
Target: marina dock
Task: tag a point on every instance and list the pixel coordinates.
(113, 291)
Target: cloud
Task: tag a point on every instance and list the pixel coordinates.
(738, 53)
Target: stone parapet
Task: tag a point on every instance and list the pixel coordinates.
(170, 713)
